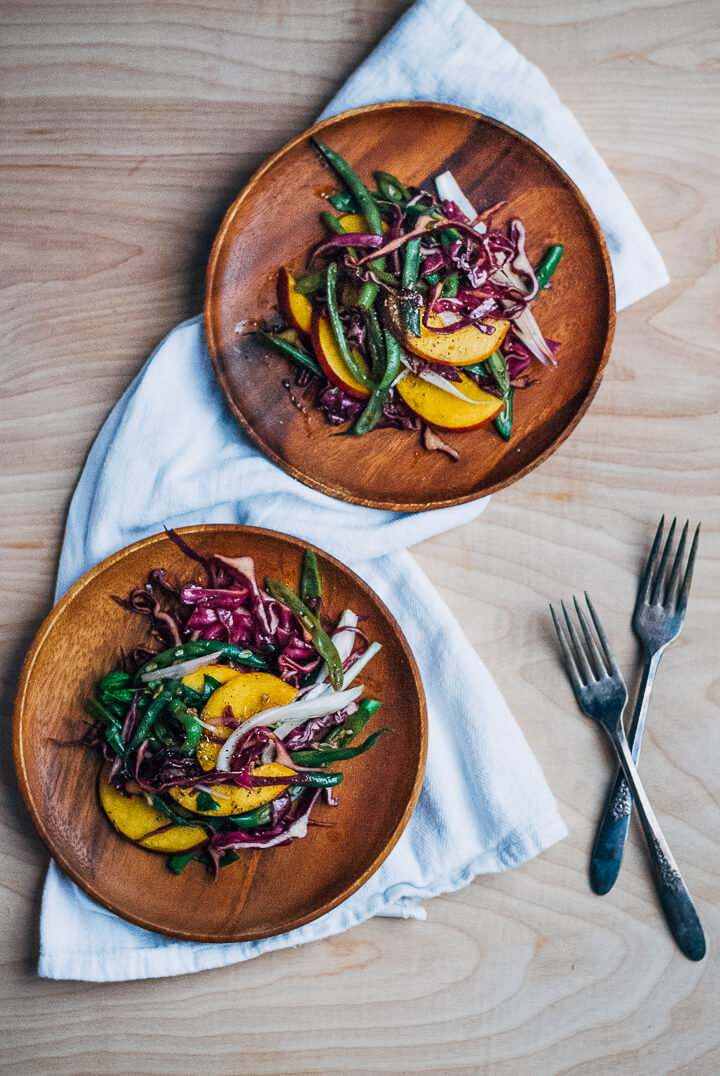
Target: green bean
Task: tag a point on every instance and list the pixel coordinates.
(366, 205)
(338, 331)
(189, 721)
(289, 351)
(410, 301)
(310, 282)
(450, 286)
(178, 863)
(344, 202)
(355, 185)
(376, 343)
(259, 816)
(205, 802)
(179, 816)
(111, 726)
(374, 407)
(145, 726)
(392, 188)
(325, 753)
(310, 581)
(495, 366)
(351, 726)
(196, 649)
(503, 421)
(332, 223)
(318, 636)
(549, 264)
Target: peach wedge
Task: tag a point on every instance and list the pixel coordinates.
(445, 410)
(294, 307)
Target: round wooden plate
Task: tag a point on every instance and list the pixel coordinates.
(274, 222)
(267, 891)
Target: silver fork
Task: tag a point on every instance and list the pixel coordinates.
(657, 620)
(601, 694)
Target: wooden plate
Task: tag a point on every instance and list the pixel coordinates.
(267, 891)
(274, 221)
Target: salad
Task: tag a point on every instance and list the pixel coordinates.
(414, 312)
(226, 737)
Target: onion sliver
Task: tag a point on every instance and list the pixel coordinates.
(357, 667)
(449, 190)
(176, 672)
(289, 716)
(445, 385)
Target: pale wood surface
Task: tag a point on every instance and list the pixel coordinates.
(127, 128)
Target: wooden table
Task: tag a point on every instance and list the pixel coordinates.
(127, 130)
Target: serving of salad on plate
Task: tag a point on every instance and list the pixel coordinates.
(414, 312)
(228, 735)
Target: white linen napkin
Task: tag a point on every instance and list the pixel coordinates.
(172, 454)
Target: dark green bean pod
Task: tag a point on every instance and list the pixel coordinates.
(376, 343)
(339, 332)
(549, 264)
(325, 753)
(353, 725)
(450, 286)
(366, 205)
(391, 188)
(110, 725)
(145, 725)
(193, 728)
(370, 417)
(310, 581)
(310, 282)
(318, 636)
(289, 351)
(196, 649)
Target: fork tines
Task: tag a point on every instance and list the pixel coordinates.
(595, 664)
(664, 585)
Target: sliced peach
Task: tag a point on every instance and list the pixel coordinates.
(357, 222)
(294, 307)
(332, 362)
(136, 819)
(196, 680)
(233, 800)
(461, 348)
(446, 411)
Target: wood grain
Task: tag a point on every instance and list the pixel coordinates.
(273, 890)
(127, 130)
(390, 469)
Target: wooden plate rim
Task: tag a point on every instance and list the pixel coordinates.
(19, 717)
(338, 491)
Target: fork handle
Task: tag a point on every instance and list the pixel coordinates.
(675, 898)
(612, 830)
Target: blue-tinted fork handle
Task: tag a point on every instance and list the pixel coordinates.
(677, 905)
(612, 831)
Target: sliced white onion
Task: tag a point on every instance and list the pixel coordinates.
(212, 792)
(357, 667)
(528, 330)
(207, 726)
(444, 384)
(449, 190)
(182, 669)
(288, 717)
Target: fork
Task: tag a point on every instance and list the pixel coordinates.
(602, 695)
(657, 620)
